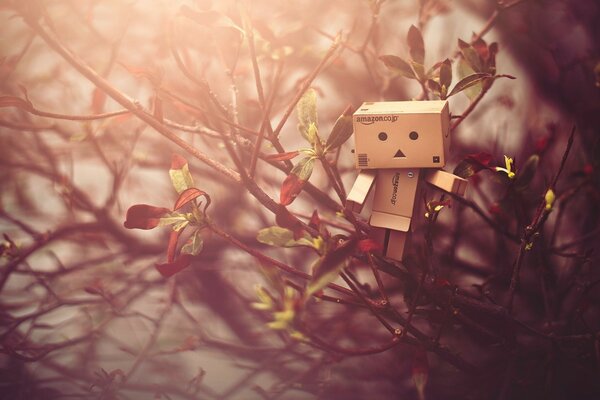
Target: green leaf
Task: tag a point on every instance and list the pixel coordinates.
(470, 55)
(312, 134)
(172, 218)
(464, 70)
(307, 113)
(527, 172)
(282, 237)
(342, 130)
(180, 225)
(419, 70)
(329, 266)
(193, 245)
(416, 45)
(446, 73)
(434, 87)
(433, 69)
(181, 177)
(398, 65)
(303, 170)
(472, 164)
(273, 275)
(295, 181)
(467, 82)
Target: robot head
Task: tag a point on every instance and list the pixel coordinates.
(401, 134)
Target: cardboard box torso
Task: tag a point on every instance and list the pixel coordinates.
(394, 198)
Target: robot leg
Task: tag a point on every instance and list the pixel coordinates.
(392, 242)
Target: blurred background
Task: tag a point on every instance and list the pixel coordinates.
(84, 312)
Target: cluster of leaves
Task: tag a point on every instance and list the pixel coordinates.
(318, 150)
(434, 207)
(334, 254)
(521, 178)
(476, 67)
(144, 216)
(285, 309)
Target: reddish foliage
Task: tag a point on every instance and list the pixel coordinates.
(315, 221)
(172, 245)
(171, 268)
(369, 245)
(441, 282)
(541, 144)
(290, 188)
(177, 161)
(189, 195)
(481, 48)
(144, 216)
(472, 164)
(498, 212)
(282, 156)
(286, 220)
(481, 158)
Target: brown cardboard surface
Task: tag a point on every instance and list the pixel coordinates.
(396, 243)
(390, 221)
(393, 142)
(409, 107)
(360, 190)
(382, 134)
(395, 191)
(447, 181)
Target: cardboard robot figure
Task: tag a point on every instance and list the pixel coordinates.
(397, 144)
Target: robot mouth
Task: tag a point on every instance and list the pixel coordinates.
(399, 154)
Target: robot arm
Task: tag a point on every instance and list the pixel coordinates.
(360, 190)
(447, 181)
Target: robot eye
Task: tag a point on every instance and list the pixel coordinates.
(413, 135)
(382, 136)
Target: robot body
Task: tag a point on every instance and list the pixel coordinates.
(396, 145)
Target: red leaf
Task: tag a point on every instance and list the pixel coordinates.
(481, 48)
(472, 164)
(290, 188)
(315, 221)
(541, 144)
(588, 169)
(285, 219)
(95, 288)
(498, 212)
(188, 195)
(143, 216)
(481, 157)
(441, 282)
(172, 245)
(334, 259)
(282, 156)
(171, 268)
(368, 245)
(416, 45)
(177, 161)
